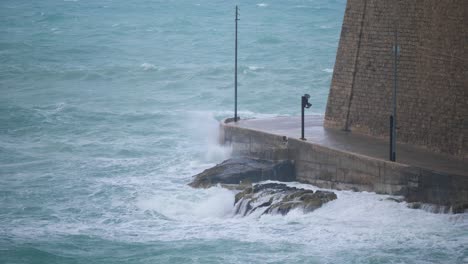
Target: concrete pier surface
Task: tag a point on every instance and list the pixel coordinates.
(336, 159)
(290, 127)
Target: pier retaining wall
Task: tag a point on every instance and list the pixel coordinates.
(336, 169)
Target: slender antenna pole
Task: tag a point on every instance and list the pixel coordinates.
(394, 99)
(235, 71)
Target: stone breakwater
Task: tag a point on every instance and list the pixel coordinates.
(331, 168)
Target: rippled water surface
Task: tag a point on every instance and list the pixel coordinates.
(107, 108)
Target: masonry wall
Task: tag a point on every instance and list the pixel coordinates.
(432, 101)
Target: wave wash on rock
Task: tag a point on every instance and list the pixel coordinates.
(269, 198)
(278, 198)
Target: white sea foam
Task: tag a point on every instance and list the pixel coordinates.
(254, 68)
(218, 204)
(329, 70)
(214, 202)
(353, 222)
(262, 5)
(166, 211)
(148, 66)
(245, 114)
(51, 110)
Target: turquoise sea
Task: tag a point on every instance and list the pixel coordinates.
(108, 107)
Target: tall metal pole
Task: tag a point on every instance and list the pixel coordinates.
(235, 70)
(394, 99)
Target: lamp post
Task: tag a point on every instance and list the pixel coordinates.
(304, 104)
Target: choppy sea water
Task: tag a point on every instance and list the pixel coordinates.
(107, 108)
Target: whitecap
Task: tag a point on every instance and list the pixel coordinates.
(254, 68)
(262, 5)
(329, 70)
(245, 114)
(148, 66)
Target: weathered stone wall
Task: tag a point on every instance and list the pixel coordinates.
(432, 101)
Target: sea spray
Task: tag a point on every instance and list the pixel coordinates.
(203, 126)
(215, 202)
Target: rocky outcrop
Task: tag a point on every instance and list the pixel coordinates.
(262, 198)
(277, 198)
(243, 171)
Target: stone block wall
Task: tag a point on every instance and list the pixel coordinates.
(252, 143)
(432, 101)
(335, 169)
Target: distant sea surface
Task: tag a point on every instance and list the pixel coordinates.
(107, 109)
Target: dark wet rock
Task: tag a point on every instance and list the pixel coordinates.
(460, 208)
(244, 171)
(457, 208)
(277, 198)
(395, 199)
(414, 205)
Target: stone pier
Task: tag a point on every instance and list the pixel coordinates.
(331, 158)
